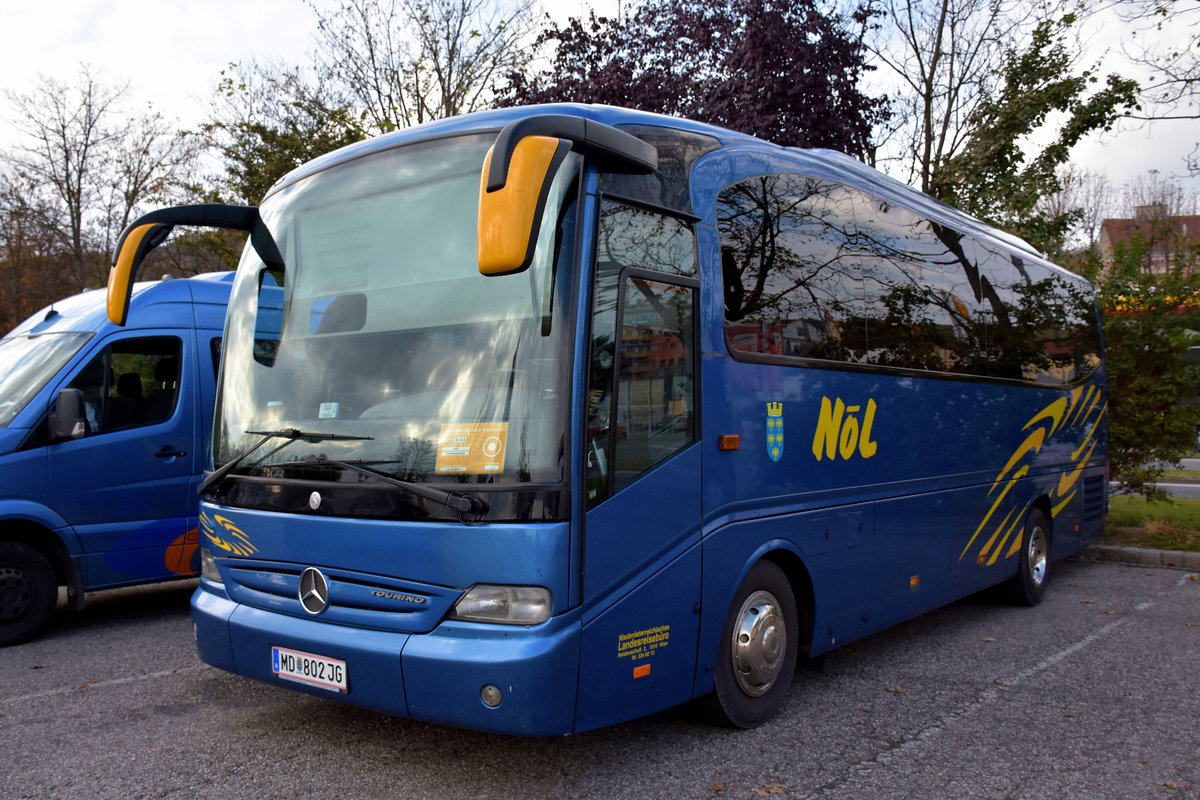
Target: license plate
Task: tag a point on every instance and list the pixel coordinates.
(295, 665)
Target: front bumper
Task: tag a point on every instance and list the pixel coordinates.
(434, 677)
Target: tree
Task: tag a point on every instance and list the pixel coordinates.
(146, 165)
(64, 136)
(405, 62)
(1166, 40)
(997, 174)
(1156, 189)
(1085, 194)
(945, 55)
(91, 167)
(788, 72)
(30, 267)
(267, 119)
(1149, 321)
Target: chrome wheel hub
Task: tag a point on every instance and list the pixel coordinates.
(1037, 555)
(759, 644)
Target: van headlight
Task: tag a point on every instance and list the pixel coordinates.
(507, 605)
(208, 566)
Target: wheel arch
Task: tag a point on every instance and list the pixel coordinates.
(798, 577)
(1042, 503)
(53, 548)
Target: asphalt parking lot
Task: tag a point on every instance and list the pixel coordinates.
(1093, 694)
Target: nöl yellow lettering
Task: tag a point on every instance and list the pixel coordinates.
(840, 431)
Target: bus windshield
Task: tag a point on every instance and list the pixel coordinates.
(378, 325)
(27, 363)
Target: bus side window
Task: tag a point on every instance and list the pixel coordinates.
(791, 269)
(655, 386)
(640, 399)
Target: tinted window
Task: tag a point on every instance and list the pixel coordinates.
(817, 270)
(919, 302)
(790, 264)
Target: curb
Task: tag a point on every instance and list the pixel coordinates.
(1142, 556)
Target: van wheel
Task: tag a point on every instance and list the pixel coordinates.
(1029, 585)
(757, 654)
(28, 593)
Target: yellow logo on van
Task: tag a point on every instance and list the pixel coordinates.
(843, 430)
(1081, 409)
(226, 536)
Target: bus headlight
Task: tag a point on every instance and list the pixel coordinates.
(508, 605)
(208, 565)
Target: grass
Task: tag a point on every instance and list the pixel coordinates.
(1174, 525)
(1180, 474)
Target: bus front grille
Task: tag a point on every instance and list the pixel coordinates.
(351, 598)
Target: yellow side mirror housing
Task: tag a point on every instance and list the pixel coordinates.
(508, 216)
(133, 247)
(150, 230)
(519, 169)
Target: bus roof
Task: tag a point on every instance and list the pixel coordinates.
(827, 163)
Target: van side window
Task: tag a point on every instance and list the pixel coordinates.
(132, 382)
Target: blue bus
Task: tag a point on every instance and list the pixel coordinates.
(537, 420)
(103, 442)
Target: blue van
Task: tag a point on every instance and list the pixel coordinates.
(103, 440)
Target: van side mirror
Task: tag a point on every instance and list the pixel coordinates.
(68, 416)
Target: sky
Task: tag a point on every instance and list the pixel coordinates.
(171, 53)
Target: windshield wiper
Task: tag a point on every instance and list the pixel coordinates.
(291, 434)
(459, 502)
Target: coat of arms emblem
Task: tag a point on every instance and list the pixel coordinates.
(775, 430)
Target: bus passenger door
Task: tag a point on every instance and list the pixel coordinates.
(641, 560)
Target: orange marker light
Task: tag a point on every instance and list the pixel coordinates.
(729, 441)
(642, 671)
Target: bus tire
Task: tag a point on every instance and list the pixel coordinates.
(28, 593)
(756, 658)
(1028, 586)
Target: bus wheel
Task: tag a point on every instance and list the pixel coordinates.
(1029, 585)
(757, 655)
(28, 592)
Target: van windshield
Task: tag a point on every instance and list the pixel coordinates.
(27, 363)
(378, 325)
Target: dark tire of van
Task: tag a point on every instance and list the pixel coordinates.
(28, 593)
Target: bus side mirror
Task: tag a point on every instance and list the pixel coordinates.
(132, 248)
(150, 230)
(508, 215)
(517, 175)
(68, 418)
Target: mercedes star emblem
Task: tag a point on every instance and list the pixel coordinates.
(314, 591)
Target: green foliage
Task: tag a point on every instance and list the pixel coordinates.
(1149, 319)
(269, 122)
(999, 176)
